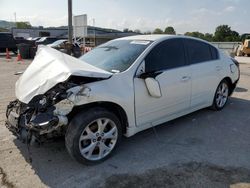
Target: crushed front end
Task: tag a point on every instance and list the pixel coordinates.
(41, 117)
(47, 92)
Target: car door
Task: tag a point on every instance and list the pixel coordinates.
(205, 68)
(166, 62)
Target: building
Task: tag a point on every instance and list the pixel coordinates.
(95, 36)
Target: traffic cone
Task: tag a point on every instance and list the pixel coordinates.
(19, 58)
(7, 54)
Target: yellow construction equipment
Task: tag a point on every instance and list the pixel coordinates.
(244, 48)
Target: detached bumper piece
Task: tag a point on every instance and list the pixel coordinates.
(24, 122)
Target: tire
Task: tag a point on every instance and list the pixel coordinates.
(221, 96)
(88, 140)
(248, 55)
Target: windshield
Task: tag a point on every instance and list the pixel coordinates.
(115, 56)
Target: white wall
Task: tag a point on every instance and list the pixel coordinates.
(228, 47)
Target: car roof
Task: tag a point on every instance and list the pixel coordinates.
(147, 37)
(161, 37)
(156, 37)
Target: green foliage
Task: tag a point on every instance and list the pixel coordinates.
(127, 30)
(195, 34)
(158, 31)
(223, 33)
(170, 30)
(137, 31)
(147, 33)
(23, 25)
(208, 37)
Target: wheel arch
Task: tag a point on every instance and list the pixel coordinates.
(230, 84)
(110, 106)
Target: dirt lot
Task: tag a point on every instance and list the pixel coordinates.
(203, 149)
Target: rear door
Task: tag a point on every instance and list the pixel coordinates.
(174, 77)
(205, 68)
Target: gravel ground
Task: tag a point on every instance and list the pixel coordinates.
(203, 149)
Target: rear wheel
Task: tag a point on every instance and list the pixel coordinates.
(92, 136)
(221, 96)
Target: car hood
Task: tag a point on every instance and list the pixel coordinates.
(49, 68)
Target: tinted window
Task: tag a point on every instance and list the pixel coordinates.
(214, 53)
(168, 54)
(198, 51)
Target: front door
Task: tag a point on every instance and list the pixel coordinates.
(168, 61)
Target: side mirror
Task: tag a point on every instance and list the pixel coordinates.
(153, 87)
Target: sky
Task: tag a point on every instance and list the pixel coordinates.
(145, 15)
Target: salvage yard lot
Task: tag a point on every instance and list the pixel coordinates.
(203, 149)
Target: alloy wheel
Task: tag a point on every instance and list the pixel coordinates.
(222, 95)
(98, 139)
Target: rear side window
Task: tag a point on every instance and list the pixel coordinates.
(199, 51)
(166, 55)
(214, 53)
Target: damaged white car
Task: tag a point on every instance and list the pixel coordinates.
(119, 88)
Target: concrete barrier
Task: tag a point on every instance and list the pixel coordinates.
(228, 47)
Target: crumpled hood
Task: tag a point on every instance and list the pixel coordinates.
(49, 68)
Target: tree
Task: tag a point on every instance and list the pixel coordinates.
(170, 30)
(223, 33)
(147, 33)
(137, 31)
(127, 30)
(158, 31)
(23, 25)
(208, 37)
(195, 34)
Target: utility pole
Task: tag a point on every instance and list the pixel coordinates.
(94, 32)
(70, 28)
(15, 17)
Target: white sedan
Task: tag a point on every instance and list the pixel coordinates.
(119, 88)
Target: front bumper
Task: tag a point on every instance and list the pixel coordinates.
(24, 121)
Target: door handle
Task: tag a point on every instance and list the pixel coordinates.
(185, 78)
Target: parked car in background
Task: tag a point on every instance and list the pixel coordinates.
(7, 41)
(47, 40)
(34, 39)
(119, 88)
(59, 44)
(21, 40)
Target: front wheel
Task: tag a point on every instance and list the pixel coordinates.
(221, 96)
(92, 136)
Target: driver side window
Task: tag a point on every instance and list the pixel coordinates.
(166, 55)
